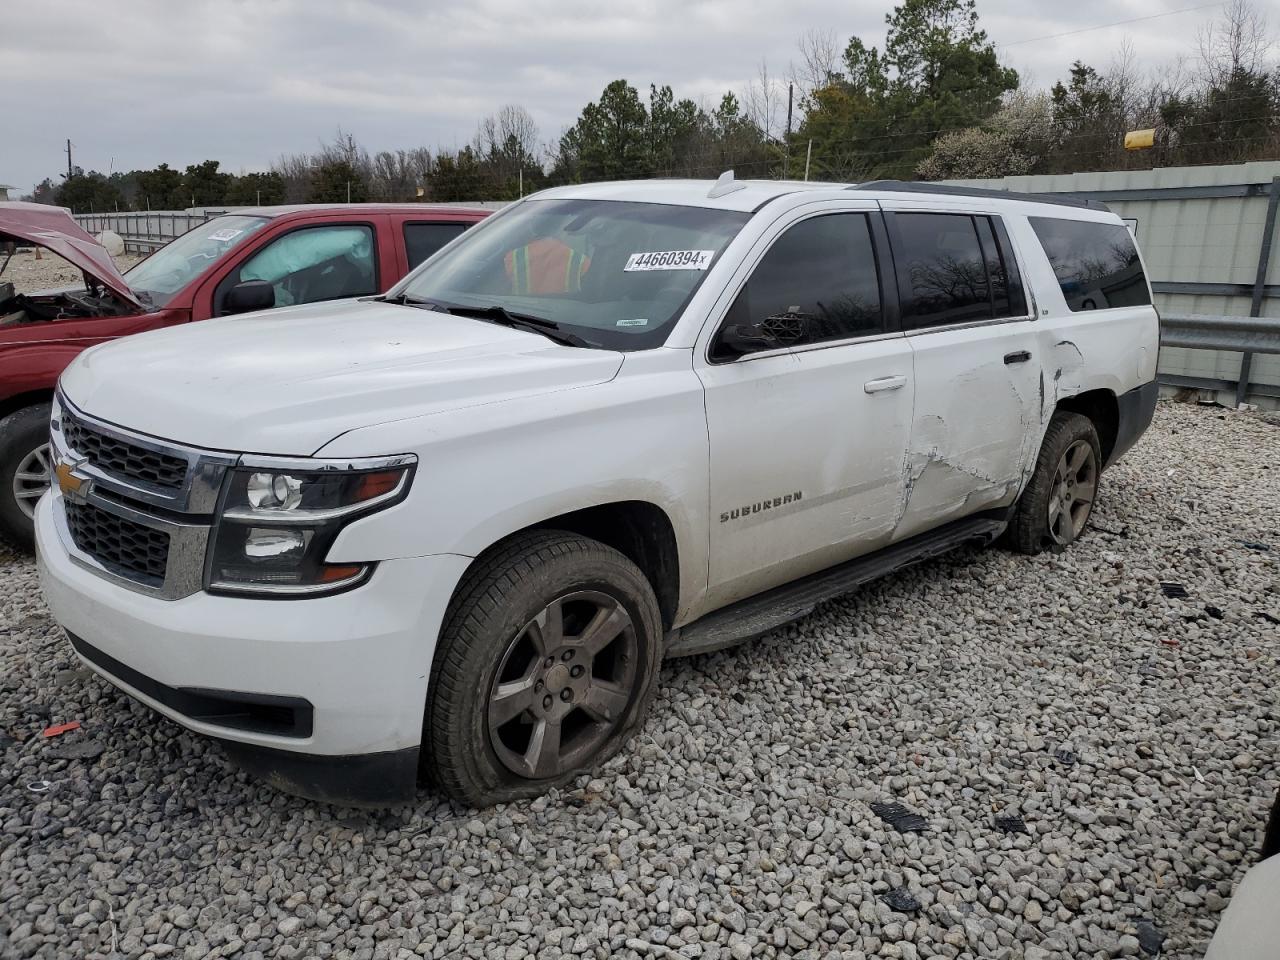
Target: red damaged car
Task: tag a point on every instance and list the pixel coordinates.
(248, 260)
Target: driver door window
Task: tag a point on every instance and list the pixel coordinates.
(817, 283)
(313, 264)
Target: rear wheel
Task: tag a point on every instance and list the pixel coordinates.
(546, 665)
(25, 471)
(1058, 501)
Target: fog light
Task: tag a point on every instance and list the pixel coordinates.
(271, 543)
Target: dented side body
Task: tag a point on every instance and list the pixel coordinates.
(960, 438)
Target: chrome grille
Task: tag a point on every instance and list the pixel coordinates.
(121, 458)
(118, 544)
(132, 508)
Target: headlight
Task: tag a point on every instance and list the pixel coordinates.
(278, 518)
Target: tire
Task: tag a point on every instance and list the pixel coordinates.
(22, 434)
(1033, 528)
(506, 684)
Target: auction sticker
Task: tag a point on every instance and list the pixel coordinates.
(225, 235)
(670, 260)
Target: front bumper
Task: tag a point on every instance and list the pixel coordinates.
(357, 662)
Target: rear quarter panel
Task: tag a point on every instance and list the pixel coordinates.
(1114, 349)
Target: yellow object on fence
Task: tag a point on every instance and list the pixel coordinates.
(1140, 139)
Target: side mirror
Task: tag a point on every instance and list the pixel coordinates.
(744, 338)
(249, 295)
(780, 330)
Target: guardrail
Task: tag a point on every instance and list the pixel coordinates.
(1202, 331)
(143, 232)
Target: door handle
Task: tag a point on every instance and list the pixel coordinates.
(884, 383)
(1018, 356)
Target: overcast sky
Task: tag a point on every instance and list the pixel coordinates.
(135, 83)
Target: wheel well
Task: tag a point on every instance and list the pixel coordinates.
(1101, 407)
(20, 401)
(642, 533)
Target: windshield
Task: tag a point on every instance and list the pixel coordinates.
(156, 279)
(616, 274)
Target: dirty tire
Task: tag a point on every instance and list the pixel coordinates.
(1028, 531)
(497, 602)
(21, 433)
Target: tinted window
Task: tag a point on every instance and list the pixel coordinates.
(817, 282)
(313, 264)
(944, 269)
(1002, 273)
(421, 240)
(1096, 264)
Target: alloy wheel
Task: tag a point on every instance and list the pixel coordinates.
(32, 479)
(563, 685)
(1075, 484)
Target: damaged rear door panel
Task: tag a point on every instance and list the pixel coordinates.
(977, 363)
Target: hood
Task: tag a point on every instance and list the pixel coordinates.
(289, 380)
(53, 229)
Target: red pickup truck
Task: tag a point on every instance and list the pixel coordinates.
(251, 259)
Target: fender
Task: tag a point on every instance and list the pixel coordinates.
(33, 356)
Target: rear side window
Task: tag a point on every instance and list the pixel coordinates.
(1096, 264)
(818, 282)
(955, 269)
(421, 240)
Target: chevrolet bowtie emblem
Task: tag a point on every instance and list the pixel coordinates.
(68, 482)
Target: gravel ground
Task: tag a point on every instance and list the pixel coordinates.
(1133, 734)
(29, 274)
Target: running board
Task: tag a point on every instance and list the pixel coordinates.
(767, 611)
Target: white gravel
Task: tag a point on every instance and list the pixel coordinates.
(30, 275)
(1133, 733)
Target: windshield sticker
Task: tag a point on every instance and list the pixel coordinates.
(669, 260)
(637, 322)
(225, 235)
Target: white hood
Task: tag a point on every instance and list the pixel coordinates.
(289, 380)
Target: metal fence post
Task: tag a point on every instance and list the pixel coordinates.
(1259, 283)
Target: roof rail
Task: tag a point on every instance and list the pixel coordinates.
(947, 190)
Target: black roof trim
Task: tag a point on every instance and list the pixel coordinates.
(947, 190)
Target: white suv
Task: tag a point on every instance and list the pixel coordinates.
(455, 529)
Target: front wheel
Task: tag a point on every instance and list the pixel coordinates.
(1058, 501)
(545, 667)
(25, 471)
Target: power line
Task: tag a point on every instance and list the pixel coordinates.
(1104, 26)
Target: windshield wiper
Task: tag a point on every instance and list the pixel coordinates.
(405, 300)
(496, 313)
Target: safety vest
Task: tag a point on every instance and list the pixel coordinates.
(546, 266)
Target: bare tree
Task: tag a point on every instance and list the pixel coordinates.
(764, 102)
(511, 131)
(397, 175)
(1239, 42)
(820, 61)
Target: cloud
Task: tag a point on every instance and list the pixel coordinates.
(135, 83)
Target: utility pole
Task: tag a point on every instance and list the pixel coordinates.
(808, 154)
(521, 176)
(348, 191)
(786, 144)
(68, 158)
